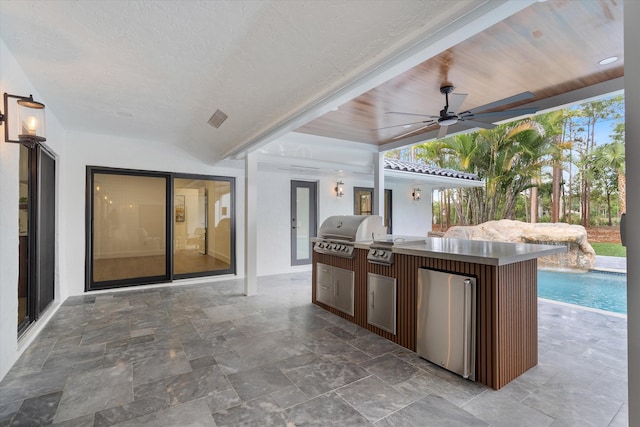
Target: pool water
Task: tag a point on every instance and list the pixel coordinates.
(596, 290)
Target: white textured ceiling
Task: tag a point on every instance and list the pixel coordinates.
(170, 64)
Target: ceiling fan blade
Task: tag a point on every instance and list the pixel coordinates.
(410, 132)
(455, 101)
(442, 132)
(506, 101)
(412, 114)
(474, 123)
(404, 124)
(515, 112)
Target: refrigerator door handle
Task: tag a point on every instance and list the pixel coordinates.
(467, 311)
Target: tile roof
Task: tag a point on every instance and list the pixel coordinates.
(398, 165)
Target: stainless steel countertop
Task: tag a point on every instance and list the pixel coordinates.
(477, 251)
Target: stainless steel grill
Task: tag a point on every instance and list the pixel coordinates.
(338, 233)
(381, 251)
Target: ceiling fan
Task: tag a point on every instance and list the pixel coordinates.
(450, 114)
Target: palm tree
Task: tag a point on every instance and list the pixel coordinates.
(612, 156)
(550, 128)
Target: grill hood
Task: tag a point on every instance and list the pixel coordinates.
(352, 228)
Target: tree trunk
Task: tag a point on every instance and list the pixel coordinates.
(609, 207)
(448, 201)
(534, 205)
(570, 220)
(442, 210)
(555, 194)
(622, 191)
(587, 203)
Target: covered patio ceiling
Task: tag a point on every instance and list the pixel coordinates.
(551, 49)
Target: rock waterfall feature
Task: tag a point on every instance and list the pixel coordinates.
(580, 257)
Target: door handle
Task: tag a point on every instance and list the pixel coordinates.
(373, 300)
(465, 345)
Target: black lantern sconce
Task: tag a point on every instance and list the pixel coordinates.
(24, 120)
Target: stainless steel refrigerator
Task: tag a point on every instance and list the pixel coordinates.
(447, 321)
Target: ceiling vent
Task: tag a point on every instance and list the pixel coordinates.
(217, 119)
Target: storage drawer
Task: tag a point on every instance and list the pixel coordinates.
(324, 274)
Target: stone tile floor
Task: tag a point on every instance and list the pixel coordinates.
(207, 355)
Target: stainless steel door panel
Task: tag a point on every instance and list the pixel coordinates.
(324, 284)
(343, 281)
(446, 321)
(382, 302)
(324, 274)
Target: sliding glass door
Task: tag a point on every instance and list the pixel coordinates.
(128, 231)
(202, 226)
(37, 231)
(146, 227)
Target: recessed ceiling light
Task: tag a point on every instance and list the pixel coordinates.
(335, 109)
(406, 126)
(609, 60)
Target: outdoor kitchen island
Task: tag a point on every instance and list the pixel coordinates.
(506, 315)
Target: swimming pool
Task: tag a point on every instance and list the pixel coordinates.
(596, 290)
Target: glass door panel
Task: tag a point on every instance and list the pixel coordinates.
(25, 293)
(202, 224)
(303, 243)
(388, 210)
(37, 231)
(363, 204)
(303, 221)
(129, 227)
(362, 201)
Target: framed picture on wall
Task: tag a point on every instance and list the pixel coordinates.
(179, 207)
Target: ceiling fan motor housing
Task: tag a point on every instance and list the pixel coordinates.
(446, 89)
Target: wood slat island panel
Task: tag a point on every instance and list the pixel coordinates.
(506, 324)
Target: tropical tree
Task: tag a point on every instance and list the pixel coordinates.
(512, 158)
(552, 126)
(610, 158)
(591, 113)
(506, 158)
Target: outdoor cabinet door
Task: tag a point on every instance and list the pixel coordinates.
(343, 282)
(381, 302)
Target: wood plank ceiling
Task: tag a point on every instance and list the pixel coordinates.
(549, 49)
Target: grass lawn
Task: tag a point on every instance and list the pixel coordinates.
(609, 249)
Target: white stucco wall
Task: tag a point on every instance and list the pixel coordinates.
(410, 217)
(86, 149)
(274, 222)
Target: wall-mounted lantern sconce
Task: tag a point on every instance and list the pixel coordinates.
(24, 120)
(339, 189)
(416, 194)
